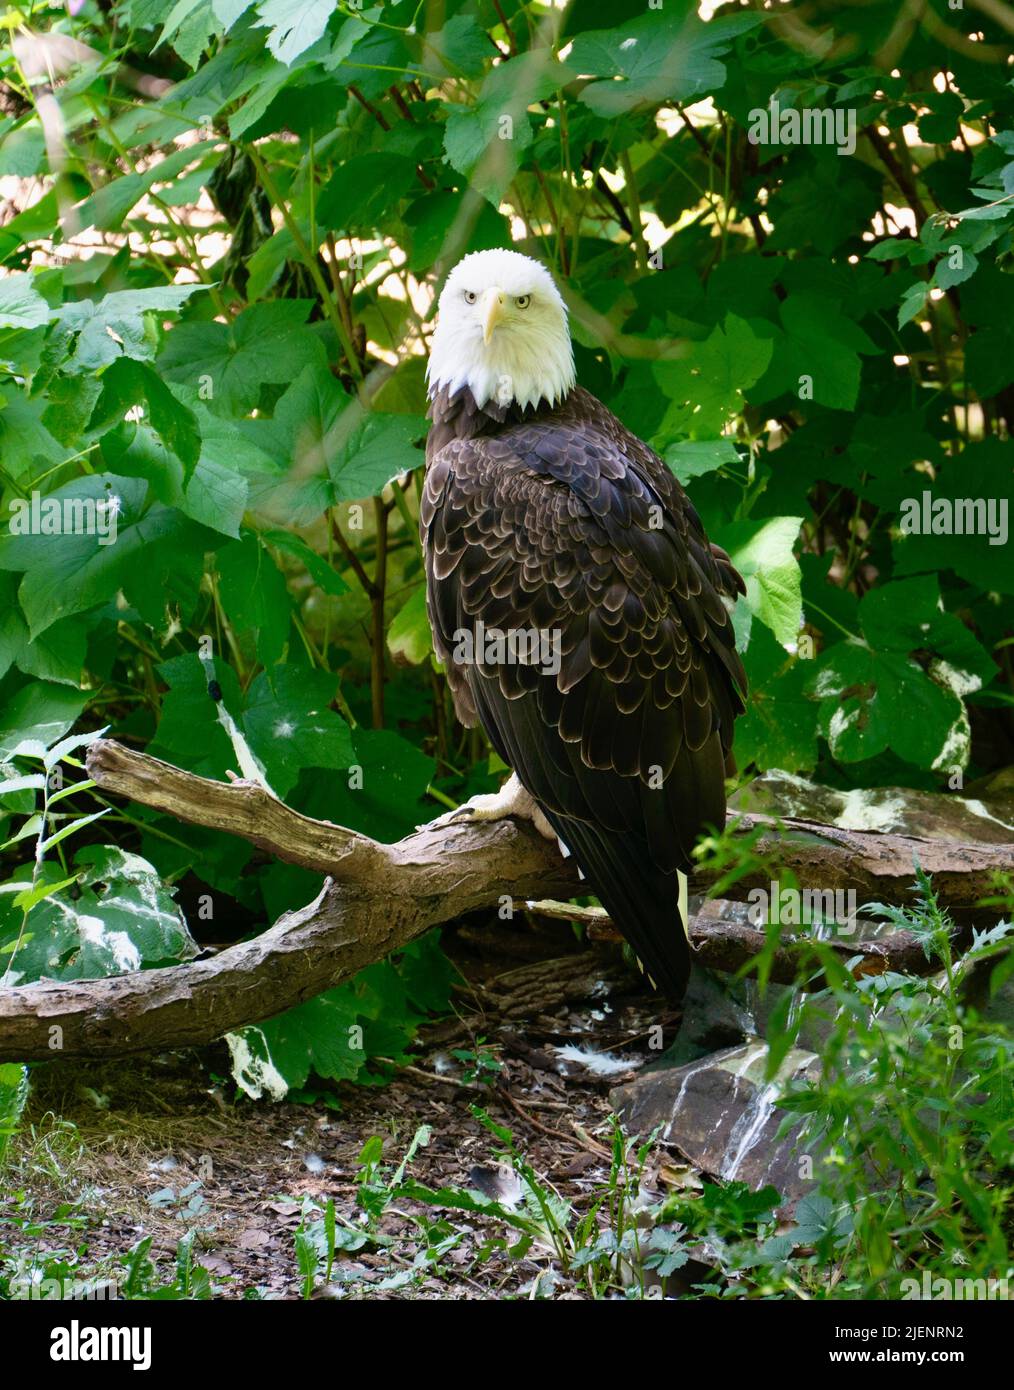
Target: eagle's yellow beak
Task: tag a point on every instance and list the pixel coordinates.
(490, 311)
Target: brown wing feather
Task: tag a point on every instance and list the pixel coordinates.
(568, 523)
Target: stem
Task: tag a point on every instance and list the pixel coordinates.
(310, 261)
(353, 559)
(377, 600)
(640, 250)
(411, 525)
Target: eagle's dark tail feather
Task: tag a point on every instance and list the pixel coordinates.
(641, 899)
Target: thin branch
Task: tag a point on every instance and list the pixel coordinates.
(368, 106)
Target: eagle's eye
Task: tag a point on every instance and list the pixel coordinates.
(470, 296)
(523, 301)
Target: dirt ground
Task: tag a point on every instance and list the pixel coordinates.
(148, 1128)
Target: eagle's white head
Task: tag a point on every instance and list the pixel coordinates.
(502, 332)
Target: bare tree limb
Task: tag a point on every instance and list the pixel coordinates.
(377, 898)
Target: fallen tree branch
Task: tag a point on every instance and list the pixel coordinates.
(377, 898)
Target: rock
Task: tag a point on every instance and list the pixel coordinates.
(721, 1113)
(714, 1015)
(896, 810)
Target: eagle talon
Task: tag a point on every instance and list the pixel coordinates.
(510, 800)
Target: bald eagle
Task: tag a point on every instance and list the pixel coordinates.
(581, 613)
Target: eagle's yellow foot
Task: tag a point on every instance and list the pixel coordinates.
(510, 800)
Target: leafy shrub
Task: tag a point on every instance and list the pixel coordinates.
(227, 224)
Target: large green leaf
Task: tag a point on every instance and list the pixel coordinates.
(229, 363)
(779, 728)
(817, 357)
(383, 798)
(874, 701)
(295, 25)
(127, 384)
(57, 655)
(876, 696)
(763, 554)
(364, 190)
(328, 448)
(705, 388)
(33, 718)
(21, 304)
(27, 445)
(255, 595)
(409, 638)
(485, 143)
(666, 55)
(68, 572)
(290, 726)
(120, 918)
(106, 328)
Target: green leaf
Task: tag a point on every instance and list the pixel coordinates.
(436, 221)
(384, 799)
(364, 189)
(459, 49)
(484, 148)
(779, 728)
(23, 151)
(36, 716)
(818, 355)
(290, 726)
(762, 551)
(912, 302)
(255, 596)
(71, 828)
(39, 220)
(875, 696)
(227, 12)
(13, 1099)
(984, 470)
(179, 13)
(32, 782)
(107, 207)
(334, 1034)
(315, 565)
(661, 57)
(229, 363)
(69, 572)
(216, 495)
(955, 268)
(692, 458)
(189, 733)
(706, 386)
(897, 248)
(276, 1056)
(895, 705)
(26, 444)
(485, 143)
(107, 328)
(409, 639)
(57, 655)
(907, 616)
(295, 25)
(328, 448)
(21, 304)
(121, 918)
(127, 384)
